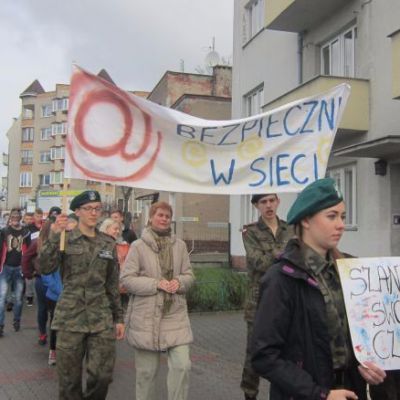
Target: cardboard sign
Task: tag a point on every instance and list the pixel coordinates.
(371, 288)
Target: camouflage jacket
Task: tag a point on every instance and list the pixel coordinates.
(90, 301)
(326, 274)
(262, 248)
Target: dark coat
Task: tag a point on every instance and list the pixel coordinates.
(291, 343)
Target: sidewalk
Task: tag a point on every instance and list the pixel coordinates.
(217, 355)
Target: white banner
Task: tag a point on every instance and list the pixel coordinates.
(116, 137)
(371, 288)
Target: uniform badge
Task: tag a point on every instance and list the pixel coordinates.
(92, 196)
(106, 254)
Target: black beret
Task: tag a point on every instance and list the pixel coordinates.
(89, 196)
(256, 197)
(55, 209)
(319, 195)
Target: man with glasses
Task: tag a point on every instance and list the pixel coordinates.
(263, 240)
(88, 315)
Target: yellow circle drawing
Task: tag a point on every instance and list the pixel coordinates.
(323, 149)
(250, 148)
(194, 153)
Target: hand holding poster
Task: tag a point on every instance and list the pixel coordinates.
(116, 137)
(371, 288)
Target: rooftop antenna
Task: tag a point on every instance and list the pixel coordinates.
(182, 65)
(212, 57)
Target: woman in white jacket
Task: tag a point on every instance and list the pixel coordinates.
(158, 273)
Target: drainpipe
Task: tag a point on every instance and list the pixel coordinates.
(300, 57)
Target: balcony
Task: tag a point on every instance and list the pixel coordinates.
(395, 36)
(356, 115)
(299, 15)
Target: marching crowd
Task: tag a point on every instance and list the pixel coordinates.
(97, 283)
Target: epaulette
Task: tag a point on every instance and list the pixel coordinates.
(245, 227)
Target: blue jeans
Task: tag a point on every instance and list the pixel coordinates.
(11, 276)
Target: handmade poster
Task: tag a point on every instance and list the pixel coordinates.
(371, 288)
(117, 137)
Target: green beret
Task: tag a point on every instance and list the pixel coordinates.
(319, 195)
(256, 197)
(89, 196)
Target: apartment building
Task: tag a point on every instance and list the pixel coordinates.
(37, 151)
(313, 48)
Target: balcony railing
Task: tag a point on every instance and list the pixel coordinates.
(356, 114)
(299, 15)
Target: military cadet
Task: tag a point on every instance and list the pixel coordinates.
(88, 315)
(301, 340)
(263, 241)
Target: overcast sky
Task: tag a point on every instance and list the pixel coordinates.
(136, 41)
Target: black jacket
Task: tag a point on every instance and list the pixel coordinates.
(129, 235)
(291, 346)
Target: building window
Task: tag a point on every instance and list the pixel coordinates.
(47, 110)
(23, 201)
(338, 55)
(28, 112)
(44, 179)
(25, 179)
(45, 134)
(57, 153)
(59, 128)
(56, 177)
(27, 134)
(253, 101)
(60, 104)
(345, 178)
(255, 17)
(45, 157)
(26, 157)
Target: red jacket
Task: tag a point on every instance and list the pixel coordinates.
(28, 263)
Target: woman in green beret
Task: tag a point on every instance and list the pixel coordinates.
(301, 340)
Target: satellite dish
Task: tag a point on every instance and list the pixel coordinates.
(212, 59)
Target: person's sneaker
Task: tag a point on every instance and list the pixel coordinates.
(9, 306)
(42, 339)
(29, 301)
(1, 330)
(16, 325)
(52, 357)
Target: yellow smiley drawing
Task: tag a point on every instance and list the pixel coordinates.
(250, 148)
(194, 153)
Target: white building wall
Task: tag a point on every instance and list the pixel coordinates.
(272, 57)
(263, 60)
(374, 22)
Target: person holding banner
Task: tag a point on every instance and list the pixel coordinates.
(158, 272)
(301, 341)
(263, 240)
(88, 316)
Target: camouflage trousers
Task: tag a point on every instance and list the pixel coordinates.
(250, 380)
(98, 349)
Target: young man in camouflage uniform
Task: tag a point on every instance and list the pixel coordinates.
(88, 315)
(263, 240)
